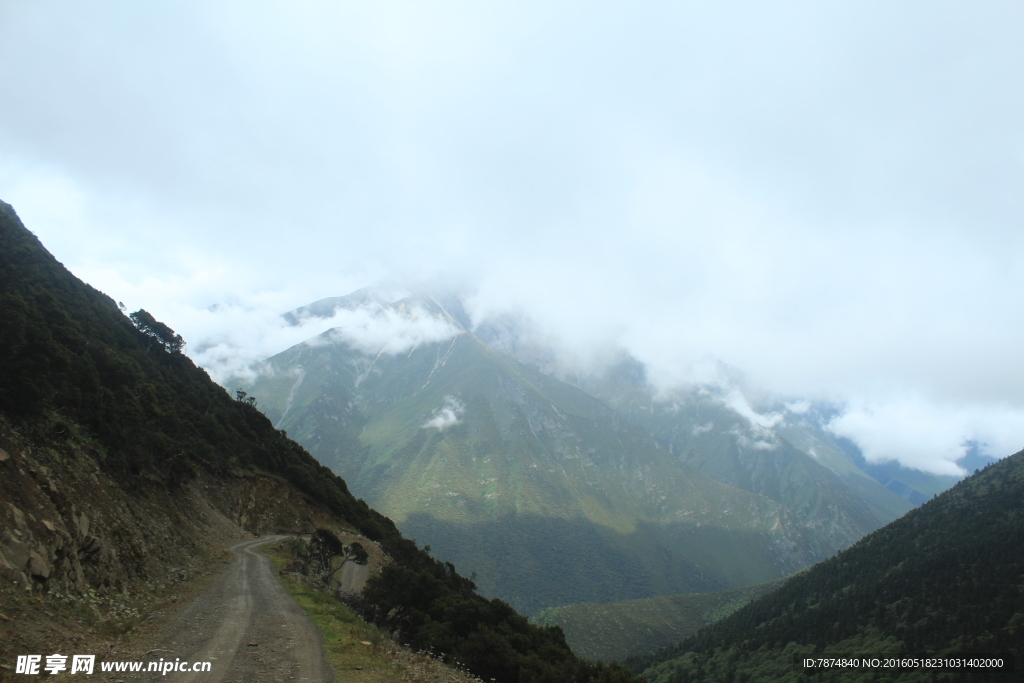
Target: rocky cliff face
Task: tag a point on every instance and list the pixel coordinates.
(83, 556)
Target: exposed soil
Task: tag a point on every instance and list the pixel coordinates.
(93, 565)
(245, 624)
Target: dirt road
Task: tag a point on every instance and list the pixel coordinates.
(247, 625)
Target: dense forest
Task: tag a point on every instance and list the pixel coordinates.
(73, 363)
(947, 578)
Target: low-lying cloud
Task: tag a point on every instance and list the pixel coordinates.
(761, 435)
(737, 402)
(931, 437)
(448, 415)
(924, 433)
(232, 340)
(387, 330)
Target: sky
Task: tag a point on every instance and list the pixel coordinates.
(826, 196)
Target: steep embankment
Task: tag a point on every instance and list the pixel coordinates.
(122, 459)
(85, 555)
(946, 578)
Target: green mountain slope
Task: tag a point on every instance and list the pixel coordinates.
(540, 488)
(67, 350)
(787, 456)
(114, 434)
(947, 577)
(613, 631)
(779, 452)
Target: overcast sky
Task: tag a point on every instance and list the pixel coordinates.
(827, 196)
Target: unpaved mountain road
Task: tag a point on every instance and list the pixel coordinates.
(246, 625)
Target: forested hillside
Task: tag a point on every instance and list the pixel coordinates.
(613, 631)
(947, 578)
(68, 353)
(74, 368)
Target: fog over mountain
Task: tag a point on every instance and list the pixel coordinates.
(824, 198)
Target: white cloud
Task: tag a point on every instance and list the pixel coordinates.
(389, 331)
(761, 423)
(798, 407)
(927, 436)
(246, 336)
(700, 429)
(763, 442)
(825, 195)
(240, 335)
(448, 415)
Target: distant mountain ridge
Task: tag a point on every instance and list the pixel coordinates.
(675, 419)
(449, 307)
(599, 496)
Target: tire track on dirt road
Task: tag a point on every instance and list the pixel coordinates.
(247, 625)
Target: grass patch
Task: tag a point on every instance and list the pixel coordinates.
(356, 650)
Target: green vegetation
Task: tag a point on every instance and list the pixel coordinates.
(805, 468)
(72, 362)
(433, 608)
(613, 631)
(947, 578)
(66, 350)
(556, 493)
(350, 643)
(540, 489)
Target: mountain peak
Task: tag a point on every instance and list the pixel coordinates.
(378, 301)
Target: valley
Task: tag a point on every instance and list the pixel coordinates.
(632, 518)
(556, 489)
(617, 630)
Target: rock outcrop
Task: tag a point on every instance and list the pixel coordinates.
(71, 535)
